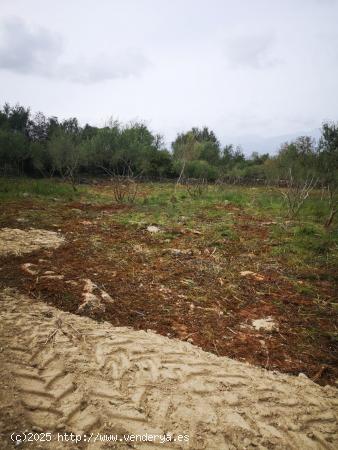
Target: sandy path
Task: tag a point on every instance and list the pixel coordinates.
(61, 373)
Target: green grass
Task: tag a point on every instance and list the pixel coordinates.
(25, 188)
(302, 242)
(302, 238)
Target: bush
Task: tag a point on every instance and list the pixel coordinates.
(201, 170)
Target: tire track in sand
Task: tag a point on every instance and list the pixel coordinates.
(74, 374)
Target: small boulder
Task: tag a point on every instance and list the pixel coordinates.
(153, 229)
(266, 324)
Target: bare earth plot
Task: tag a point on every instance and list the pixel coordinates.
(208, 277)
(71, 374)
(62, 372)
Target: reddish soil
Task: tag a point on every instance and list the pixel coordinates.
(180, 296)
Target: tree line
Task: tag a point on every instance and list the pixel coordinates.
(36, 145)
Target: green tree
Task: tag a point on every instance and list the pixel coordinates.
(299, 157)
(328, 166)
(205, 143)
(66, 156)
(13, 151)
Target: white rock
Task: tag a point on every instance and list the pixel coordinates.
(153, 229)
(266, 324)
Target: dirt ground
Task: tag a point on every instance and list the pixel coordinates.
(63, 373)
(77, 283)
(175, 282)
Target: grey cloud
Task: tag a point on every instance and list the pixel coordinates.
(119, 65)
(26, 50)
(250, 51)
(39, 52)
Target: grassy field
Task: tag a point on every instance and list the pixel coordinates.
(217, 262)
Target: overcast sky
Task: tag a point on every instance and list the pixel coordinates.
(254, 71)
